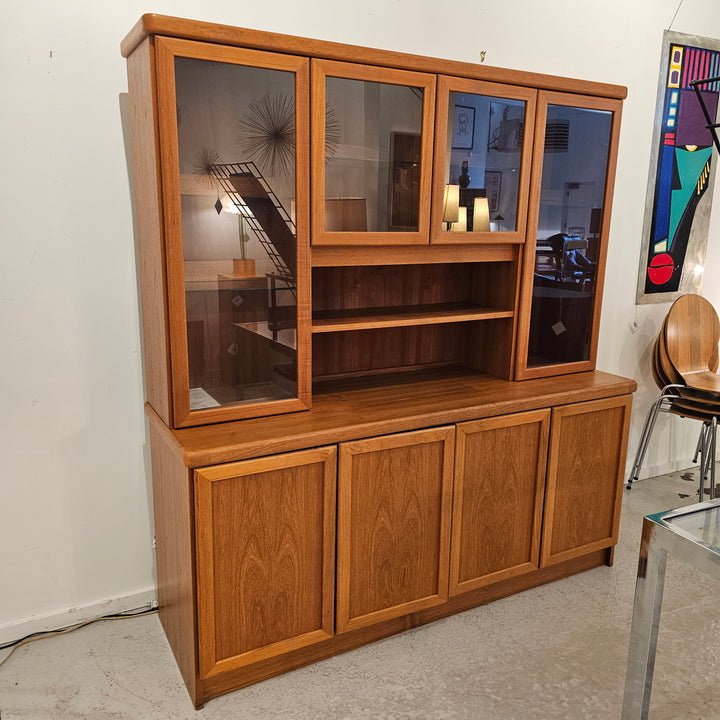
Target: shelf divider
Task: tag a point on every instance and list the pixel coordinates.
(402, 316)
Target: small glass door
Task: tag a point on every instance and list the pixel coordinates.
(372, 141)
(235, 193)
(574, 169)
(483, 150)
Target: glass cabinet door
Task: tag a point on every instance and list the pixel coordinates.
(236, 229)
(483, 149)
(372, 134)
(571, 192)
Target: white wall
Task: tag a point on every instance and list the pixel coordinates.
(75, 513)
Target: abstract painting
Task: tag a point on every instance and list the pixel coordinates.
(682, 168)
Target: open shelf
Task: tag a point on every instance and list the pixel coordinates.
(402, 316)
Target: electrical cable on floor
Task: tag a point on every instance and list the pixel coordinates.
(15, 644)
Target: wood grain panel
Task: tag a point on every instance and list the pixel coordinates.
(349, 409)
(498, 499)
(347, 256)
(265, 546)
(175, 554)
(380, 349)
(359, 287)
(393, 525)
(149, 224)
(588, 444)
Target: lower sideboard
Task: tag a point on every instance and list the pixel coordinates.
(268, 561)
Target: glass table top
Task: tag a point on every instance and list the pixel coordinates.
(701, 522)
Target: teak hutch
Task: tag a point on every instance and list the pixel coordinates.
(371, 290)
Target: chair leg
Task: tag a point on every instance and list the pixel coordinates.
(713, 447)
(704, 459)
(647, 430)
(698, 447)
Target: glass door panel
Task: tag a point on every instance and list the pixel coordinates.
(573, 187)
(483, 150)
(233, 247)
(371, 155)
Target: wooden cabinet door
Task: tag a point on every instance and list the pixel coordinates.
(265, 534)
(498, 498)
(586, 463)
(394, 496)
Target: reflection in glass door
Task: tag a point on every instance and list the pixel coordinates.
(371, 154)
(482, 161)
(567, 236)
(235, 122)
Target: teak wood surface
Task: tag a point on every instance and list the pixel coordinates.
(498, 498)
(156, 24)
(691, 332)
(352, 409)
(265, 557)
(151, 240)
(394, 503)
(415, 422)
(588, 441)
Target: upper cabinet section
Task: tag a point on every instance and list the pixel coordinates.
(483, 149)
(574, 170)
(308, 211)
(372, 132)
(236, 235)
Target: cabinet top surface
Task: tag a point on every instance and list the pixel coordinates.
(154, 24)
(343, 410)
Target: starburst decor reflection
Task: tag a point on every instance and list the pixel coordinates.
(268, 132)
(202, 167)
(332, 133)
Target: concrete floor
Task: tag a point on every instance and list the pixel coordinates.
(558, 651)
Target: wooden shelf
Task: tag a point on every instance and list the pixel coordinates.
(346, 320)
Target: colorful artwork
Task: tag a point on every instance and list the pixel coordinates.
(677, 213)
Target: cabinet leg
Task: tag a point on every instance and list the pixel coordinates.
(610, 556)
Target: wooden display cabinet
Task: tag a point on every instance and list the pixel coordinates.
(475, 456)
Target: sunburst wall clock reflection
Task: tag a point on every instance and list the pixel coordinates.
(332, 133)
(268, 133)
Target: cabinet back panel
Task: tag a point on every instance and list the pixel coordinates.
(357, 287)
(483, 346)
(385, 348)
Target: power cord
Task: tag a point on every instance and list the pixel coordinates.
(15, 644)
